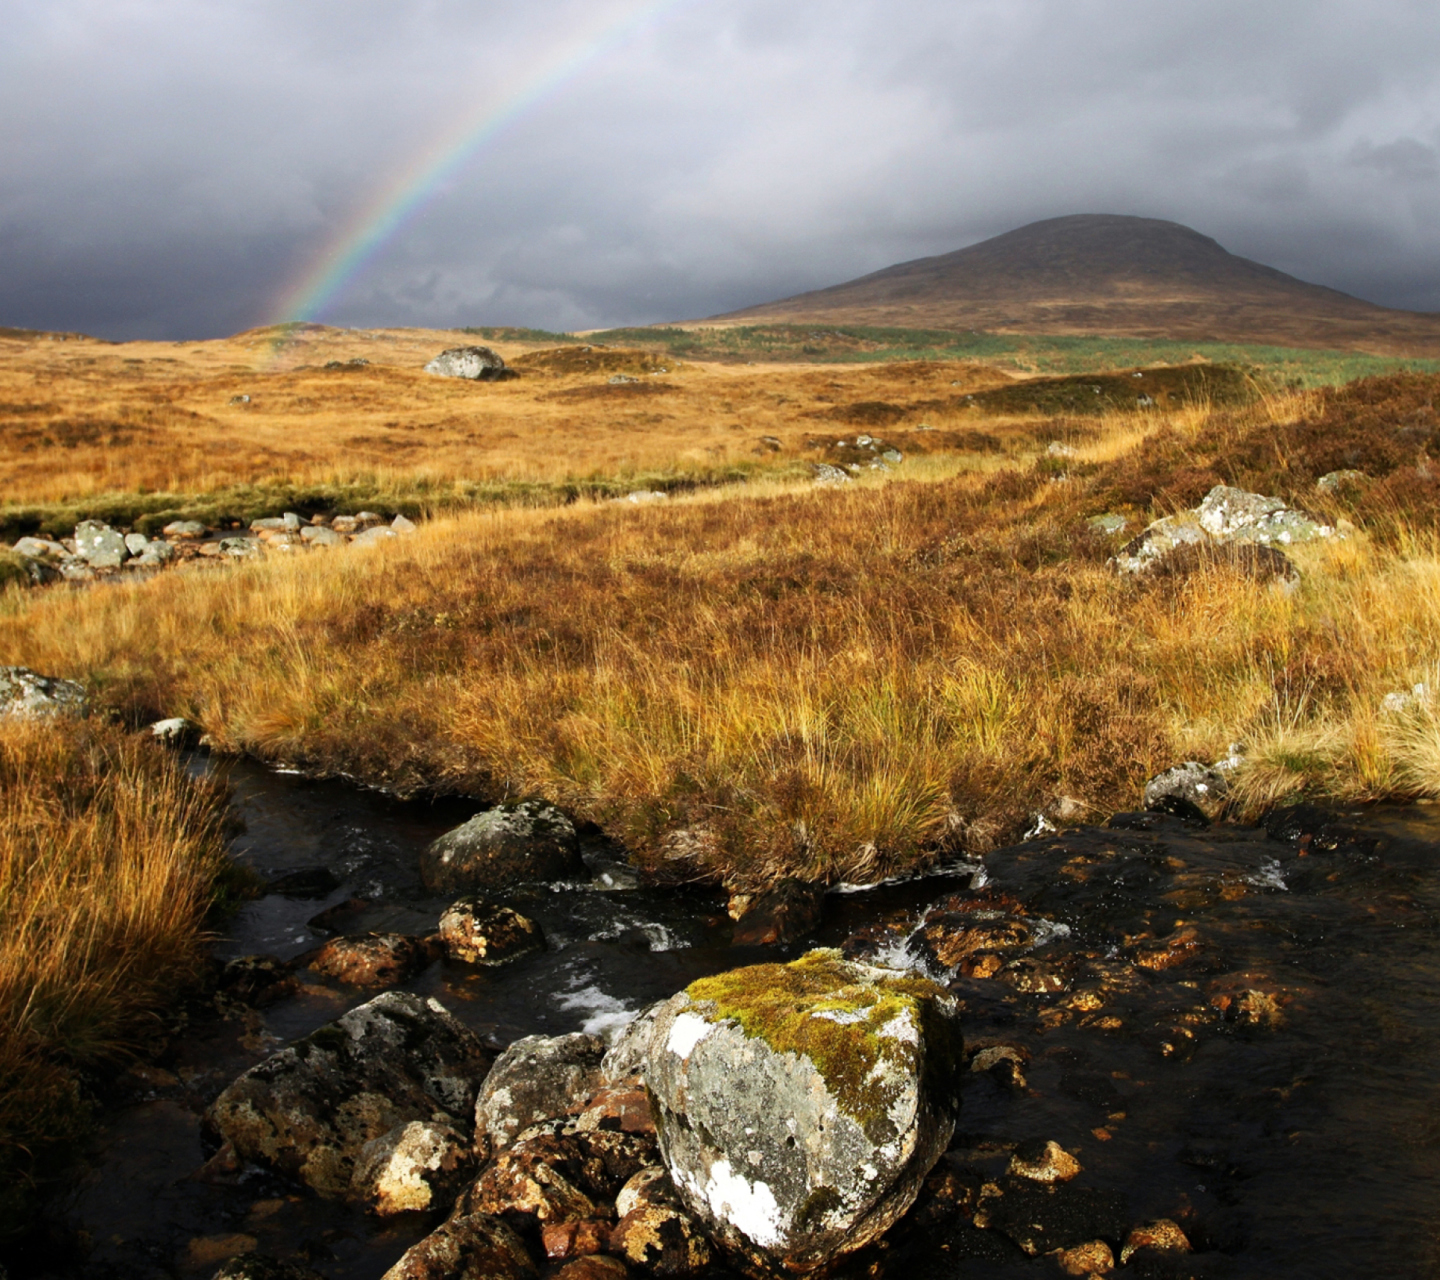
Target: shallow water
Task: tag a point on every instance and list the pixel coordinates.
(1299, 1138)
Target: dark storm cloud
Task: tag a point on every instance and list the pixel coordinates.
(171, 169)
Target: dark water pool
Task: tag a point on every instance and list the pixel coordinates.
(1235, 1029)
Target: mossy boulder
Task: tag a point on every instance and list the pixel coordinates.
(528, 841)
(800, 1106)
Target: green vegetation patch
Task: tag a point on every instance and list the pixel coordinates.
(518, 333)
(1276, 367)
(593, 359)
(1162, 388)
(814, 1007)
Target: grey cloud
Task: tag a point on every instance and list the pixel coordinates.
(172, 169)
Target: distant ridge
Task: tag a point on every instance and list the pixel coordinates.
(1114, 275)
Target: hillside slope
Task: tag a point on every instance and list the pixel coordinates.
(1114, 275)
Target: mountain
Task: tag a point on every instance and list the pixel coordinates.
(1112, 275)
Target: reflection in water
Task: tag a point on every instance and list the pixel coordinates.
(1230, 1029)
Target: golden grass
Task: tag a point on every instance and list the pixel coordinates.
(108, 851)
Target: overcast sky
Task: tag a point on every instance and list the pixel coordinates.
(174, 169)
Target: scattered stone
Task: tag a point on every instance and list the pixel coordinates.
(1107, 524)
(156, 553)
(528, 841)
(473, 1247)
(825, 474)
(367, 519)
(40, 549)
(1400, 701)
(562, 1240)
(800, 1106)
(239, 548)
(416, 1166)
(185, 530)
(475, 931)
(479, 364)
(1336, 482)
(403, 524)
(100, 546)
(258, 1266)
(135, 543)
(374, 959)
(620, 379)
(649, 1188)
(241, 399)
(344, 524)
(1162, 1235)
(788, 912)
(174, 732)
(1188, 790)
(27, 694)
(597, 1267)
(1059, 449)
(310, 1109)
(317, 535)
(1091, 1258)
(1043, 1162)
(661, 1240)
(380, 533)
(535, 1079)
(772, 444)
(641, 496)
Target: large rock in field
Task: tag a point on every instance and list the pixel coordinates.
(510, 844)
(480, 364)
(800, 1106)
(535, 1079)
(27, 693)
(310, 1109)
(100, 546)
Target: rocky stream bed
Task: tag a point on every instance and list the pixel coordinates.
(1189, 1050)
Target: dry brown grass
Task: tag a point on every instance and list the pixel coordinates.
(108, 851)
(82, 417)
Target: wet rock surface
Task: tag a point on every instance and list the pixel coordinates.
(535, 1079)
(511, 844)
(477, 931)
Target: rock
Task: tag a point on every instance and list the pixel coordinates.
(1335, 482)
(74, 569)
(239, 548)
(368, 519)
(479, 364)
(374, 959)
(292, 521)
(402, 524)
(344, 524)
(1400, 701)
(800, 1106)
(474, 1247)
(40, 549)
(1162, 1235)
(269, 524)
(640, 496)
(597, 1267)
(416, 1166)
(663, 1240)
(825, 474)
(310, 1109)
(26, 693)
(536, 1078)
(27, 570)
(1157, 541)
(475, 931)
(650, 1187)
(317, 535)
(135, 543)
(256, 981)
(184, 529)
(1188, 790)
(257, 1266)
(156, 553)
(100, 546)
(788, 912)
(620, 379)
(174, 732)
(1229, 513)
(1043, 1162)
(510, 844)
(240, 399)
(379, 533)
(1107, 524)
(630, 1048)
(1091, 1258)
(619, 1108)
(562, 1240)
(543, 1177)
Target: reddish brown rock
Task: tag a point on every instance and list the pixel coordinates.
(624, 1107)
(475, 931)
(1180, 946)
(661, 1240)
(788, 912)
(563, 1240)
(1162, 1235)
(467, 1248)
(596, 1267)
(374, 959)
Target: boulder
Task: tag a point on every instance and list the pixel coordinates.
(662, 1240)
(185, 530)
(374, 959)
(1188, 790)
(239, 548)
(788, 912)
(40, 549)
(480, 364)
(1232, 514)
(310, 1109)
(414, 1167)
(403, 524)
(475, 931)
(27, 693)
(473, 1247)
(535, 1079)
(800, 1106)
(135, 543)
(317, 535)
(174, 732)
(371, 536)
(100, 546)
(629, 1050)
(510, 844)
(825, 474)
(595, 1267)
(156, 553)
(344, 524)
(1336, 482)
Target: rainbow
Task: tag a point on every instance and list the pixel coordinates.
(382, 218)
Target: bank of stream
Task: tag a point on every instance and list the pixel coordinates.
(1232, 1028)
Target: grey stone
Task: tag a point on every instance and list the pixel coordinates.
(40, 549)
(310, 1109)
(479, 364)
(174, 732)
(135, 543)
(100, 546)
(415, 1167)
(317, 535)
(239, 548)
(630, 1049)
(1107, 524)
(1157, 541)
(528, 841)
(806, 1131)
(344, 524)
(825, 474)
(156, 553)
(1334, 482)
(1233, 514)
(403, 524)
(292, 521)
(27, 694)
(379, 533)
(1189, 786)
(184, 529)
(475, 931)
(33, 570)
(641, 496)
(275, 523)
(536, 1079)
(364, 519)
(74, 569)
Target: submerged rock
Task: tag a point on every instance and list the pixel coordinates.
(800, 1106)
(26, 693)
(475, 931)
(479, 364)
(374, 959)
(310, 1109)
(511, 844)
(535, 1079)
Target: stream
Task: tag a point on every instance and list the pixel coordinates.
(1232, 1028)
